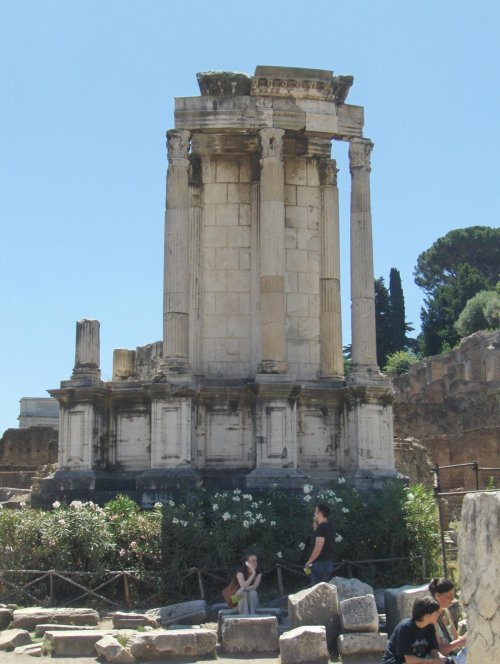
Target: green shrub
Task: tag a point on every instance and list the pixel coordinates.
(400, 362)
(212, 530)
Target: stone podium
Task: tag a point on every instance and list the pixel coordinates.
(247, 387)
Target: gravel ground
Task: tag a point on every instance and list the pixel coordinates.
(10, 658)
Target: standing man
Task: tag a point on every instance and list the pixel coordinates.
(321, 559)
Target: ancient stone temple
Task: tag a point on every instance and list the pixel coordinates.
(247, 388)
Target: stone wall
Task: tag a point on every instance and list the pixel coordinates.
(451, 404)
(26, 449)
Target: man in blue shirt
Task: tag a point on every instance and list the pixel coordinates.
(414, 639)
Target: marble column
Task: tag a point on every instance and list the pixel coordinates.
(331, 356)
(364, 348)
(176, 273)
(272, 253)
(87, 352)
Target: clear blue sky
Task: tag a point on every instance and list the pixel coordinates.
(86, 95)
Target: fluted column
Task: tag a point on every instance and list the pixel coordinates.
(364, 348)
(87, 351)
(272, 252)
(176, 273)
(331, 357)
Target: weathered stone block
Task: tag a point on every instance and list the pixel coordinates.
(5, 618)
(359, 643)
(40, 629)
(316, 606)
(359, 614)
(186, 613)
(173, 643)
(399, 603)
(30, 617)
(304, 645)
(123, 620)
(242, 634)
(111, 650)
(74, 643)
(31, 649)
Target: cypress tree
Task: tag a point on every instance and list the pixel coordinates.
(398, 327)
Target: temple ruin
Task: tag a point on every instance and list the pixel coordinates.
(247, 387)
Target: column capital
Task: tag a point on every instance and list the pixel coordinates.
(359, 153)
(328, 172)
(178, 146)
(271, 142)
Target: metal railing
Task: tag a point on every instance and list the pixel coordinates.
(458, 494)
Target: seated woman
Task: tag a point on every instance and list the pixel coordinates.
(443, 591)
(249, 578)
(414, 639)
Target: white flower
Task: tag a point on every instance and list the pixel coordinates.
(76, 504)
(184, 523)
(171, 503)
(341, 480)
(279, 554)
(338, 538)
(175, 520)
(247, 496)
(237, 491)
(215, 507)
(158, 506)
(302, 546)
(236, 499)
(345, 510)
(307, 488)
(338, 500)
(307, 499)
(272, 523)
(254, 505)
(56, 504)
(226, 516)
(246, 524)
(248, 514)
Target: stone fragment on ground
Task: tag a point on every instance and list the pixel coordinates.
(12, 638)
(359, 648)
(304, 645)
(359, 614)
(316, 606)
(249, 634)
(130, 620)
(110, 650)
(186, 613)
(74, 643)
(29, 618)
(197, 643)
(31, 649)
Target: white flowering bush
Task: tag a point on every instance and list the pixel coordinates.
(212, 531)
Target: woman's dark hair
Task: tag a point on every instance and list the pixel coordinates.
(324, 509)
(423, 607)
(442, 585)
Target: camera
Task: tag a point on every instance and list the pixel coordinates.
(450, 660)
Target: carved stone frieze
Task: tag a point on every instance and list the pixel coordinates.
(222, 83)
(340, 88)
